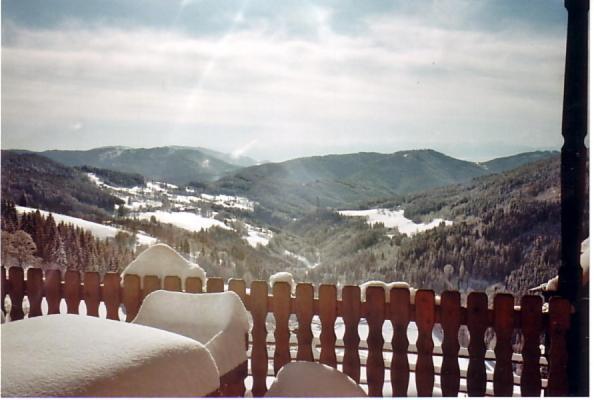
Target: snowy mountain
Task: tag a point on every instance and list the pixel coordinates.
(174, 164)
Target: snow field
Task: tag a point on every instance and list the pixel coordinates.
(394, 219)
(98, 230)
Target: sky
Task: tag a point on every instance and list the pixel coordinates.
(274, 80)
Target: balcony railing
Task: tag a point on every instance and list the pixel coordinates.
(282, 330)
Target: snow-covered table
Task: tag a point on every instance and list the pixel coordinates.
(76, 356)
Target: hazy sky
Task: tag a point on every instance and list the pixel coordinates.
(280, 79)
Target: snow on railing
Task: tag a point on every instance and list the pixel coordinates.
(382, 367)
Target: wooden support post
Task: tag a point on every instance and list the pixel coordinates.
(573, 178)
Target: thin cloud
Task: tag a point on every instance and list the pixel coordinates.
(392, 87)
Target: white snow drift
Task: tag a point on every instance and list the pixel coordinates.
(161, 260)
(394, 219)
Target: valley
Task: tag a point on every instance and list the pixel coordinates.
(447, 237)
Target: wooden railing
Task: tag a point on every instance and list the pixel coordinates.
(383, 367)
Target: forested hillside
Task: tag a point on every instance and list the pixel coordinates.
(506, 233)
(35, 181)
(302, 185)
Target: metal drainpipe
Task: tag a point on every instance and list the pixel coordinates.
(573, 179)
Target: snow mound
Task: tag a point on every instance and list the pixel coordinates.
(282, 277)
(394, 219)
(311, 379)
(79, 356)
(219, 320)
(387, 288)
(161, 260)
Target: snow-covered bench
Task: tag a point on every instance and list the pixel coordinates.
(218, 320)
(79, 356)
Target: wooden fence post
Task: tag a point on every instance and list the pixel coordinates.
(16, 275)
(72, 291)
(425, 318)
(53, 290)
(351, 314)
(215, 285)
(477, 321)
(238, 286)
(375, 297)
(531, 321)
(92, 293)
(281, 307)
(400, 317)
(131, 296)
(450, 322)
(172, 283)
(304, 305)
(503, 378)
(34, 291)
(194, 285)
(259, 309)
(327, 304)
(111, 295)
(150, 283)
(559, 321)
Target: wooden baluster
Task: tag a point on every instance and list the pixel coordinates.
(131, 296)
(425, 318)
(72, 291)
(503, 377)
(237, 387)
(450, 322)
(304, 305)
(351, 314)
(400, 317)
(238, 286)
(375, 297)
(215, 285)
(477, 321)
(559, 321)
(3, 288)
(172, 283)
(193, 285)
(150, 283)
(281, 307)
(531, 320)
(111, 295)
(92, 293)
(16, 276)
(327, 304)
(53, 290)
(34, 291)
(259, 310)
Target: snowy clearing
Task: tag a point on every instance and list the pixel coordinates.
(98, 230)
(257, 236)
(184, 220)
(394, 219)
